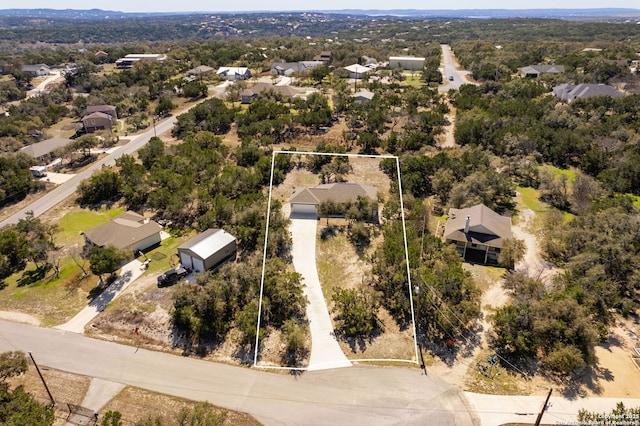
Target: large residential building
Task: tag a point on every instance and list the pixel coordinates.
(478, 233)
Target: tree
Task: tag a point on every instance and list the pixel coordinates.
(151, 152)
(84, 144)
(102, 186)
(17, 407)
(38, 237)
(356, 311)
(164, 106)
(106, 260)
(112, 418)
(512, 252)
(15, 181)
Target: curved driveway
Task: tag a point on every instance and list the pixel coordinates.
(325, 350)
(359, 395)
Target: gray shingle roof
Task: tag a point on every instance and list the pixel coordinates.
(568, 92)
(45, 147)
(485, 226)
(123, 231)
(338, 192)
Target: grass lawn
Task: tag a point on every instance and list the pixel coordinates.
(530, 199)
(79, 220)
(569, 173)
(336, 260)
(54, 300)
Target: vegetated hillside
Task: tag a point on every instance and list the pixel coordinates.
(506, 127)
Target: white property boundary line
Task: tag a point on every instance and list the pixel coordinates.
(264, 256)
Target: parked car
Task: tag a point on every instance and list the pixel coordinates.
(450, 78)
(172, 276)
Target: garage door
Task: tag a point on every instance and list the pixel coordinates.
(306, 209)
(185, 260)
(198, 265)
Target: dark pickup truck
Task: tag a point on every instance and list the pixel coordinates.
(172, 276)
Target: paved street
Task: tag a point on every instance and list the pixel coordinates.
(358, 395)
(449, 70)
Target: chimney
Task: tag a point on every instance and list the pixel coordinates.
(466, 225)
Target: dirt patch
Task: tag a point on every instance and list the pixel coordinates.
(65, 387)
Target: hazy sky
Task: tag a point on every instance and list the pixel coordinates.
(279, 5)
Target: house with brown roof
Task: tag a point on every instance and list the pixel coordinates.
(105, 109)
(478, 233)
(128, 231)
(97, 121)
(306, 201)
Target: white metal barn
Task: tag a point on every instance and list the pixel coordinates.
(207, 250)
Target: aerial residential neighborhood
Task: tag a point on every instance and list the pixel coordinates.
(319, 217)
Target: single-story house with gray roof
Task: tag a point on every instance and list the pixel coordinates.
(128, 231)
(306, 201)
(478, 232)
(37, 70)
(43, 151)
(535, 71)
(568, 92)
(208, 250)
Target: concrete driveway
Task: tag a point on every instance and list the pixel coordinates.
(128, 274)
(325, 351)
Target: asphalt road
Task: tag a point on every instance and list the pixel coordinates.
(358, 395)
(449, 70)
(66, 189)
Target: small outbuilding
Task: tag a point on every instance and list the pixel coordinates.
(208, 250)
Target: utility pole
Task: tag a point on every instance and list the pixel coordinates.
(544, 407)
(53, 402)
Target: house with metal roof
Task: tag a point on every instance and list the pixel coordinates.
(478, 232)
(307, 200)
(568, 92)
(411, 63)
(362, 96)
(128, 231)
(208, 250)
(287, 69)
(234, 73)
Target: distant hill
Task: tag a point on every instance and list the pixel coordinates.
(462, 13)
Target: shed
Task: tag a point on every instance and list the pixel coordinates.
(208, 250)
